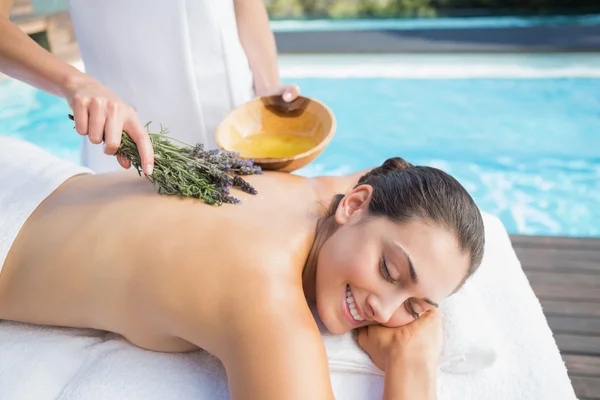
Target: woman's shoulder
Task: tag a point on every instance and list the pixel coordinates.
(270, 297)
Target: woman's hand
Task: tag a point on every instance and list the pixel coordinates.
(103, 116)
(287, 92)
(418, 343)
(98, 112)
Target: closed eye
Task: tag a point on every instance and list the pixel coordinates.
(410, 309)
(385, 272)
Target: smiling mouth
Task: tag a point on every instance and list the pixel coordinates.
(352, 305)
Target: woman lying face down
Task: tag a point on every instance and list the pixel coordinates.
(393, 248)
(106, 252)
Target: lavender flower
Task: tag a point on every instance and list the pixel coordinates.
(191, 171)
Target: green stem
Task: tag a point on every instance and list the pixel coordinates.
(189, 172)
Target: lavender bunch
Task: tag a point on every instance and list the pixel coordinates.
(191, 171)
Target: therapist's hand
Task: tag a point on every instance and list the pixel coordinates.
(102, 116)
(287, 92)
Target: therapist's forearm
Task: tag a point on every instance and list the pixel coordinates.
(258, 42)
(23, 59)
(409, 380)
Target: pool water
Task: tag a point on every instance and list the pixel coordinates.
(528, 150)
(38, 117)
(308, 25)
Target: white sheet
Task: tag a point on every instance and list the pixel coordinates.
(28, 175)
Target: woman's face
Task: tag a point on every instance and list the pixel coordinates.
(375, 271)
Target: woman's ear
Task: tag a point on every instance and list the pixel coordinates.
(354, 204)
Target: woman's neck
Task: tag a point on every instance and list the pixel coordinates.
(326, 188)
(325, 228)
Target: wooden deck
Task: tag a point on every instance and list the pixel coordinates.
(565, 275)
(54, 31)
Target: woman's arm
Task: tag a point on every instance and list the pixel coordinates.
(409, 379)
(408, 355)
(281, 360)
(24, 59)
(99, 113)
(272, 348)
(259, 45)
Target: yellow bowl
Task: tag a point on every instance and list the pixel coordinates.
(306, 119)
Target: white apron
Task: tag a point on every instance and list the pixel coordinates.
(179, 63)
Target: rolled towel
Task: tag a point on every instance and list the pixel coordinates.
(28, 174)
(470, 343)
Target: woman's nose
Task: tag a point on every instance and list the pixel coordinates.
(378, 312)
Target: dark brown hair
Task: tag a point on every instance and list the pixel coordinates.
(403, 192)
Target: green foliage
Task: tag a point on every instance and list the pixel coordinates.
(519, 4)
(405, 8)
(286, 8)
(349, 8)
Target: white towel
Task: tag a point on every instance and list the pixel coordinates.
(528, 365)
(28, 175)
(470, 341)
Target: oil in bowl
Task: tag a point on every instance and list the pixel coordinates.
(274, 145)
(280, 136)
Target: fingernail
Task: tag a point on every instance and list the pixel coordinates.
(149, 170)
(287, 96)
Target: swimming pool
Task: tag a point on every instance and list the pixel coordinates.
(308, 25)
(526, 148)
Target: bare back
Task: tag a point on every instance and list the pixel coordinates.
(172, 274)
(104, 250)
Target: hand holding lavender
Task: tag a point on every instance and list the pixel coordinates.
(190, 171)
